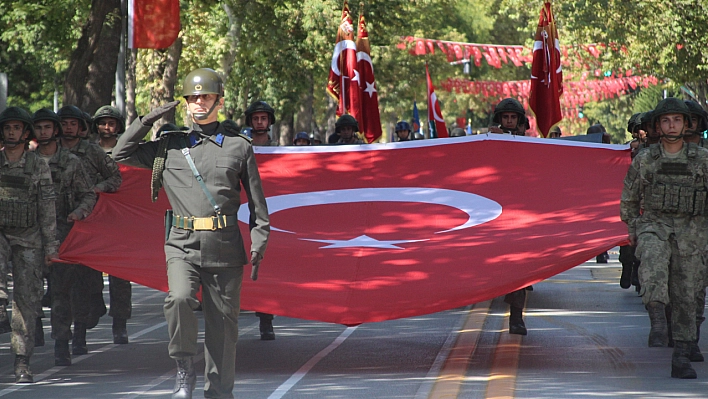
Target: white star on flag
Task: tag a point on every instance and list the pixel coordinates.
(362, 241)
(370, 89)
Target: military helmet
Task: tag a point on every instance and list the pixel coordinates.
(634, 122)
(458, 132)
(260, 106)
(403, 125)
(302, 136)
(646, 117)
(346, 120)
(202, 81)
(72, 111)
(508, 105)
(46, 114)
(696, 109)
(596, 128)
(671, 105)
(17, 114)
(108, 112)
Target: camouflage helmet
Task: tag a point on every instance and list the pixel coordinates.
(346, 120)
(671, 105)
(17, 114)
(702, 115)
(202, 81)
(634, 122)
(108, 112)
(73, 112)
(646, 117)
(403, 125)
(46, 114)
(508, 105)
(260, 106)
(458, 132)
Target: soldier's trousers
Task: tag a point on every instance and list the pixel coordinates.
(88, 282)
(516, 298)
(28, 288)
(120, 292)
(5, 253)
(669, 275)
(67, 304)
(221, 300)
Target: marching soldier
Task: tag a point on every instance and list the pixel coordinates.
(204, 247)
(28, 224)
(403, 131)
(347, 127)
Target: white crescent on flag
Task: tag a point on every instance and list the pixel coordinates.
(341, 46)
(434, 100)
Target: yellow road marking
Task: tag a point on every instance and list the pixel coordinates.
(502, 376)
(454, 370)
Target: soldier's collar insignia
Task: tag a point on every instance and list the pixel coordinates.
(219, 139)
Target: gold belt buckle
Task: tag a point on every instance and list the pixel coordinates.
(204, 224)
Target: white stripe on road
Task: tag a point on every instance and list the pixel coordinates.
(287, 385)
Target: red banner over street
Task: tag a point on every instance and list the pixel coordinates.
(370, 233)
(153, 23)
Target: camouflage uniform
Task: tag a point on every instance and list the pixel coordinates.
(28, 223)
(669, 226)
(74, 190)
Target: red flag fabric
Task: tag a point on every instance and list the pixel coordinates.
(153, 23)
(435, 116)
(369, 117)
(370, 246)
(546, 73)
(343, 81)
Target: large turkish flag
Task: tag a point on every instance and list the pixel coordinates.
(383, 231)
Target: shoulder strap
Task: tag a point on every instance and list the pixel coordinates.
(655, 151)
(30, 160)
(198, 176)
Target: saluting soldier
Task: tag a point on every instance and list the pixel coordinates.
(204, 247)
(28, 224)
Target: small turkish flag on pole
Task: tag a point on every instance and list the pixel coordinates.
(435, 117)
(152, 23)
(369, 118)
(342, 83)
(546, 73)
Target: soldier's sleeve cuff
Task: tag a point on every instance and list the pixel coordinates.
(51, 249)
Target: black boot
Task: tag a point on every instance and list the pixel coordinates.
(39, 333)
(97, 310)
(670, 334)
(4, 318)
(516, 321)
(695, 354)
(78, 344)
(23, 375)
(266, 327)
(186, 379)
(635, 276)
(62, 357)
(120, 331)
(659, 333)
(626, 277)
(680, 363)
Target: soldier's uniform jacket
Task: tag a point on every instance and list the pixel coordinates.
(27, 212)
(356, 141)
(100, 166)
(226, 161)
(660, 190)
(73, 187)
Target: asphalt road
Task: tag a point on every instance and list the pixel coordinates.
(587, 338)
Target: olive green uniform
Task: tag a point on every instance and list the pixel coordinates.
(74, 189)
(28, 223)
(214, 259)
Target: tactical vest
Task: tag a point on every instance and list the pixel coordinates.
(674, 187)
(64, 201)
(18, 197)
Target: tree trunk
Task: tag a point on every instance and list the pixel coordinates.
(95, 58)
(303, 122)
(285, 131)
(233, 35)
(164, 74)
(331, 118)
(130, 82)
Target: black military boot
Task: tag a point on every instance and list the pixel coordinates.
(516, 321)
(635, 276)
(626, 277)
(266, 327)
(23, 375)
(680, 363)
(4, 318)
(667, 312)
(78, 344)
(186, 379)
(659, 333)
(97, 309)
(62, 357)
(120, 331)
(39, 333)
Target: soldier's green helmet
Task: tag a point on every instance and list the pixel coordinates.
(346, 120)
(458, 132)
(108, 112)
(73, 112)
(702, 115)
(259, 106)
(203, 81)
(17, 114)
(46, 114)
(671, 105)
(508, 105)
(634, 122)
